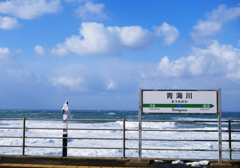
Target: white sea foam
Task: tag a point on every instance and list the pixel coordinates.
(113, 143)
(198, 164)
(177, 162)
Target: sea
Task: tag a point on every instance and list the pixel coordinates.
(171, 122)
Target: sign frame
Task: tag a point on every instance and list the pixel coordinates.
(216, 106)
(218, 113)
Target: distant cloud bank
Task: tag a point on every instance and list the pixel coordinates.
(28, 9)
(213, 23)
(216, 60)
(96, 39)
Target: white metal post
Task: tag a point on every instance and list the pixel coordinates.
(140, 126)
(219, 127)
(66, 114)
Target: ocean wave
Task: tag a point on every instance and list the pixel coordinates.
(111, 113)
(116, 143)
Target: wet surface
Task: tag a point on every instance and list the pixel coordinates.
(93, 163)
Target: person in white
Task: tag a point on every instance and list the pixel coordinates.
(66, 115)
(66, 111)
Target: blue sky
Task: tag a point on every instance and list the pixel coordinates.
(98, 53)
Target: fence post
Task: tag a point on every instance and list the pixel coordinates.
(23, 137)
(229, 140)
(140, 126)
(219, 127)
(124, 138)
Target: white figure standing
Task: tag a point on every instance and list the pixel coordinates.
(66, 115)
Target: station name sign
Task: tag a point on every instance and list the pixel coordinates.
(180, 101)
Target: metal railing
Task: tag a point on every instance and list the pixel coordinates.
(124, 139)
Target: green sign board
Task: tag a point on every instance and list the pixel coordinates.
(180, 101)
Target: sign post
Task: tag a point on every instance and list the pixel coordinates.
(219, 127)
(66, 114)
(180, 102)
(140, 126)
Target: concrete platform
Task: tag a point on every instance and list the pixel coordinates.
(73, 162)
(224, 164)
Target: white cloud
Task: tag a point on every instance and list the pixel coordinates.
(78, 1)
(5, 54)
(59, 50)
(95, 39)
(215, 60)
(91, 11)
(134, 37)
(8, 23)
(207, 28)
(71, 83)
(100, 76)
(29, 9)
(111, 85)
(214, 23)
(19, 74)
(170, 32)
(40, 50)
(222, 14)
(19, 51)
(71, 0)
